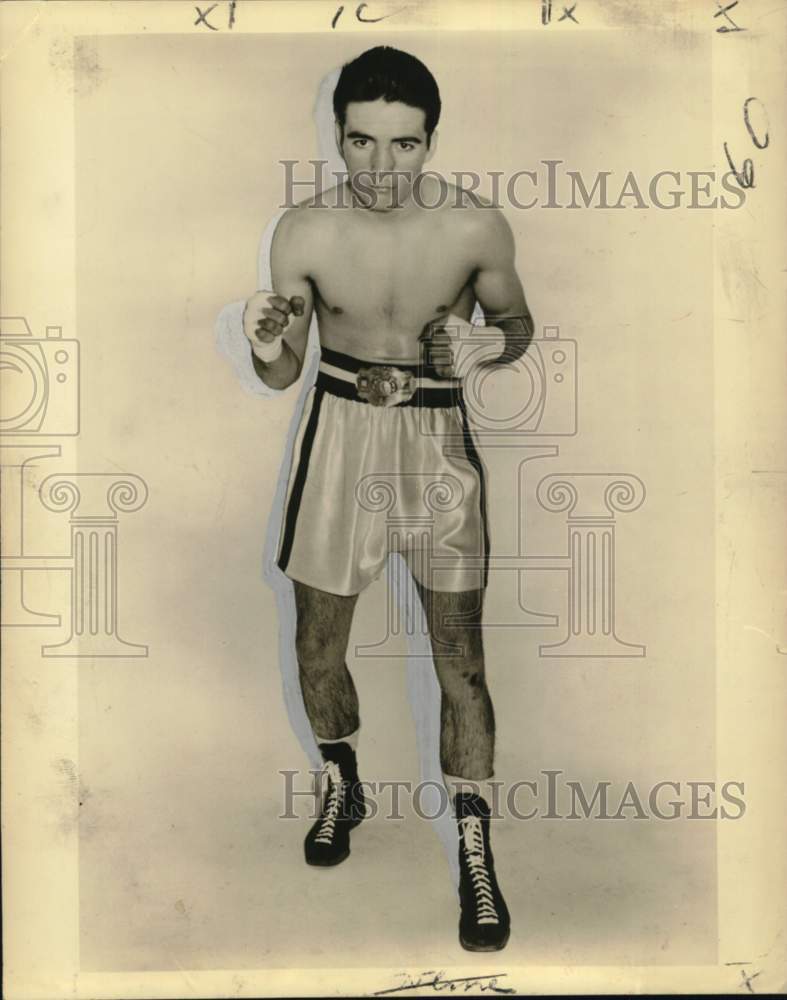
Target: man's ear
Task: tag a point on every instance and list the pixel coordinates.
(432, 147)
(339, 133)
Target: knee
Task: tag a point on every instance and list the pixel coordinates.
(317, 653)
(314, 652)
(460, 678)
(466, 643)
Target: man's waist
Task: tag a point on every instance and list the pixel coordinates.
(386, 383)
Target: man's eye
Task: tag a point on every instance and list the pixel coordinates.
(407, 146)
(360, 143)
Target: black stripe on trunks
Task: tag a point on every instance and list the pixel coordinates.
(474, 459)
(300, 481)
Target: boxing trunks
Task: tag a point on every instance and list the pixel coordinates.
(384, 461)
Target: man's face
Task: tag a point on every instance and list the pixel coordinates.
(384, 146)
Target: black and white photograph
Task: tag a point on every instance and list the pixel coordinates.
(393, 487)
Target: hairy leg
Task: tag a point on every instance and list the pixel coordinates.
(321, 637)
(467, 722)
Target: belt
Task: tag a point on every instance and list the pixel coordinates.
(385, 385)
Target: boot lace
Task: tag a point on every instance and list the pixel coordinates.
(331, 804)
(473, 843)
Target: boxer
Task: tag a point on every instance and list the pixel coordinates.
(393, 284)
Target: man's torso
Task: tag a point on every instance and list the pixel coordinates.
(379, 280)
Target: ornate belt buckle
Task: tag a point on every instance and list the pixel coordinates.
(383, 385)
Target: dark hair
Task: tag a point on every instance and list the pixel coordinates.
(393, 75)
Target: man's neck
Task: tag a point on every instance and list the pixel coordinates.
(398, 209)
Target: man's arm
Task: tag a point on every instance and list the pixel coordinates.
(286, 313)
(497, 287)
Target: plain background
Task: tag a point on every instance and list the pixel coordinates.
(182, 861)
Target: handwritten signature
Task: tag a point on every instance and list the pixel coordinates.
(438, 982)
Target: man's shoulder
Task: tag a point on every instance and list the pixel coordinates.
(476, 216)
(467, 198)
(306, 219)
(319, 204)
(304, 216)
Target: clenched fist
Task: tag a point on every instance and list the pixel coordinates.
(440, 340)
(439, 352)
(265, 318)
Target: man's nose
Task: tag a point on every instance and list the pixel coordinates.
(383, 160)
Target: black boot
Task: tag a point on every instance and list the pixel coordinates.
(343, 807)
(484, 924)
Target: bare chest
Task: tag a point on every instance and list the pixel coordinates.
(396, 278)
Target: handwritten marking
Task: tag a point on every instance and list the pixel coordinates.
(746, 177)
(546, 11)
(567, 15)
(368, 20)
(438, 983)
(202, 17)
(750, 128)
(723, 11)
(364, 20)
(747, 980)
